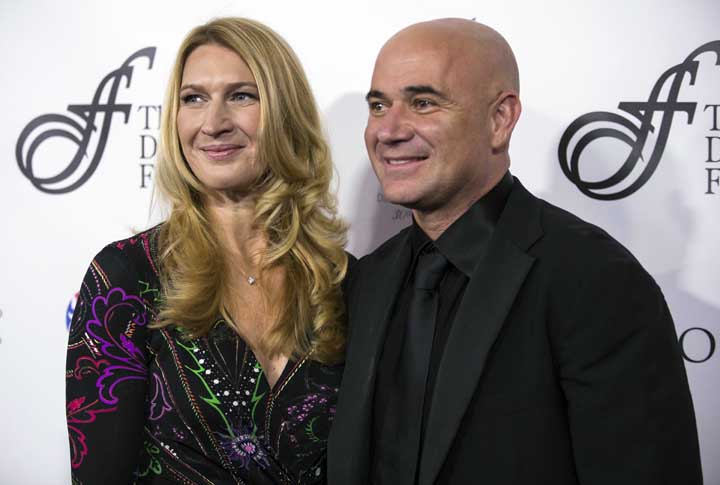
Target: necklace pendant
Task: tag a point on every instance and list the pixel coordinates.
(250, 280)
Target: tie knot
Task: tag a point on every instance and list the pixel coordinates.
(431, 265)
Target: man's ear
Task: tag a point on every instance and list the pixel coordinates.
(505, 114)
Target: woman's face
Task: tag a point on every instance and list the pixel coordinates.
(218, 119)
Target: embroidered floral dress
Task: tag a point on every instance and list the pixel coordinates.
(149, 406)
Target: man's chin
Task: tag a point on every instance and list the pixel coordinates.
(400, 198)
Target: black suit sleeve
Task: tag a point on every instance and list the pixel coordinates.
(629, 407)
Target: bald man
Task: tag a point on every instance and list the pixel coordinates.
(499, 339)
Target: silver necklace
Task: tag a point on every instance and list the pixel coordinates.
(251, 280)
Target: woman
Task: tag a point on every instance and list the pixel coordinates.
(206, 349)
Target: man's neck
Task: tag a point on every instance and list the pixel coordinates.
(434, 222)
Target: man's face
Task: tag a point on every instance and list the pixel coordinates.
(428, 127)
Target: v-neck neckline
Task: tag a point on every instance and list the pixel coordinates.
(285, 376)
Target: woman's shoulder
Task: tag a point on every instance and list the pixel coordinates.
(135, 254)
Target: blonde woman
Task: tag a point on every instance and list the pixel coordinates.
(207, 349)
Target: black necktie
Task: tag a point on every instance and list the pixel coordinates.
(415, 354)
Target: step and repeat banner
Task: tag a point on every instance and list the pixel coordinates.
(621, 125)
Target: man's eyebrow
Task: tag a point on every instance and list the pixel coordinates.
(423, 89)
(409, 91)
(374, 93)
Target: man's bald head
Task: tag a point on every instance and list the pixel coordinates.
(443, 103)
(480, 50)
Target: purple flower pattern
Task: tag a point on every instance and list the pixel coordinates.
(303, 411)
(159, 404)
(127, 360)
(244, 448)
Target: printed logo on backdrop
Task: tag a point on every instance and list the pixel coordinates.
(633, 127)
(697, 345)
(87, 128)
(70, 310)
(399, 214)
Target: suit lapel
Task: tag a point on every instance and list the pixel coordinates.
(373, 292)
(487, 301)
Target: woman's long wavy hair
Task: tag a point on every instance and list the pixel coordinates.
(294, 210)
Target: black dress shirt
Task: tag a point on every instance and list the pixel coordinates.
(464, 244)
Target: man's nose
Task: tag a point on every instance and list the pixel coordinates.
(217, 119)
(394, 126)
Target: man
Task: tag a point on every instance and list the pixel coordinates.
(499, 339)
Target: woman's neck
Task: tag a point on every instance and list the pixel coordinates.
(253, 297)
(234, 220)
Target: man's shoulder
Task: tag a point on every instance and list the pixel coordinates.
(385, 250)
(564, 242)
(539, 226)
(573, 249)
(555, 221)
(568, 232)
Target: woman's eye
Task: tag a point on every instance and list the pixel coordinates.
(191, 98)
(243, 97)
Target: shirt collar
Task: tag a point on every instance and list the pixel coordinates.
(465, 241)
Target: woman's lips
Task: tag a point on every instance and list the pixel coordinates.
(221, 152)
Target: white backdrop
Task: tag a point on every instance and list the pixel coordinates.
(574, 57)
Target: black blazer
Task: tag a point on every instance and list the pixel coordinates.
(562, 366)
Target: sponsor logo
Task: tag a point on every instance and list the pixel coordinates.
(697, 345)
(87, 131)
(399, 214)
(632, 128)
(70, 310)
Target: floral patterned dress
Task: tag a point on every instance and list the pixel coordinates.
(149, 406)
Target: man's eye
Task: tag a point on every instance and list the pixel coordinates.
(423, 103)
(376, 107)
(190, 99)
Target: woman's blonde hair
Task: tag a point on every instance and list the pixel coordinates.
(295, 210)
